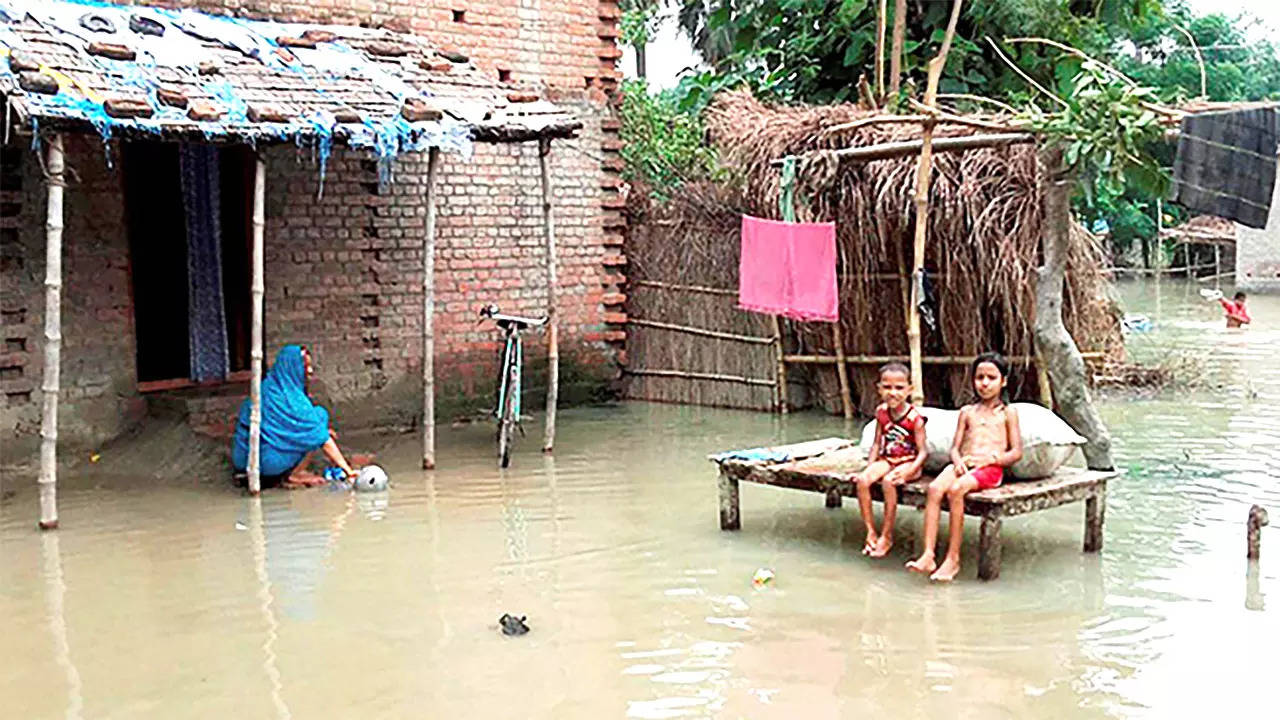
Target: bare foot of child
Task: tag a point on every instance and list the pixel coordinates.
(870, 544)
(922, 565)
(950, 568)
(882, 547)
(361, 459)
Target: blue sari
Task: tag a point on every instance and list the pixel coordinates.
(292, 425)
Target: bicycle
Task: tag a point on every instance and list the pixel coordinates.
(507, 410)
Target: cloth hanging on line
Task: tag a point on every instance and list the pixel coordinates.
(1226, 164)
(206, 311)
(788, 269)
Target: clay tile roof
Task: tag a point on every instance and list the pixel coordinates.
(220, 79)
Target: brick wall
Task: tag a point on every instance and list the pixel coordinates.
(1258, 253)
(343, 271)
(564, 44)
(98, 396)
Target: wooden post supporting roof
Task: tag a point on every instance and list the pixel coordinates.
(553, 338)
(428, 317)
(49, 387)
(258, 288)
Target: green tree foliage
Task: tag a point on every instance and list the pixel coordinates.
(662, 146)
(814, 51)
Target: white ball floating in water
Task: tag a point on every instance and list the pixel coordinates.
(371, 479)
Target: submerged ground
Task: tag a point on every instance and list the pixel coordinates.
(184, 599)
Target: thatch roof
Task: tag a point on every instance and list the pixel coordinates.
(184, 74)
(1203, 229)
(982, 246)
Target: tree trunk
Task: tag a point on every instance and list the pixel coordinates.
(642, 70)
(1053, 342)
(895, 55)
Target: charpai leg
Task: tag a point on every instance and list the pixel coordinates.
(989, 547)
(1095, 514)
(729, 516)
(834, 499)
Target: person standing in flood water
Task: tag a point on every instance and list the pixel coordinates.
(293, 427)
(988, 439)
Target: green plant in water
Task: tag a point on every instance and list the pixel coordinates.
(662, 147)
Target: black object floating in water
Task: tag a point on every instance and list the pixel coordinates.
(512, 625)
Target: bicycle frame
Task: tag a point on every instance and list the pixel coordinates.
(513, 353)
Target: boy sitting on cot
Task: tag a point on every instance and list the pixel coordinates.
(897, 454)
(988, 440)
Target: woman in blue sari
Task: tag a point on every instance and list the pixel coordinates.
(293, 427)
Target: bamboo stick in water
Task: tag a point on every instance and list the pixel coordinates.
(48, 479)
(842, 371)
(255, 350)
(553, 339)
(428, 317)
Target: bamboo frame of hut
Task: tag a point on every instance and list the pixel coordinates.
(48, 479)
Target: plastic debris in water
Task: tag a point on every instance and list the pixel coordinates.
(333, 473)
(95, 458)
(1136, 323)
(241, 526)
(763, 577)
(512, 625)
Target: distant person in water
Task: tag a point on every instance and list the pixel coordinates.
(1237, 314)
(293, 427)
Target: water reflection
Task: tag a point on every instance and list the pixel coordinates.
(639, 604)
(55, 594)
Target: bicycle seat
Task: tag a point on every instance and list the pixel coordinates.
(520, 323)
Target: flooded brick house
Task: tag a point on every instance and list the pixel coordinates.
(345, 216)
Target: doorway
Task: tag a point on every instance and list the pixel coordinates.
(189, 227)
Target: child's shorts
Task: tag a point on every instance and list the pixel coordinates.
(988, 476)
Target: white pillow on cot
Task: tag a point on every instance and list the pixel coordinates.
(1047, 440)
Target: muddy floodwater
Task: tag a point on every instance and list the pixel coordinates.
(186, 599)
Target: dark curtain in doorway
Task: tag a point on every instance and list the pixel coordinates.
(201, 198)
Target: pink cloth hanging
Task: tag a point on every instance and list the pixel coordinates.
(788, 269)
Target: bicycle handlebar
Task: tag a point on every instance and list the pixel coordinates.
(491, 312)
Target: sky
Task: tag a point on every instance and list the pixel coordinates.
(670, 53)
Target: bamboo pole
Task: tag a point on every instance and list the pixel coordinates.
(895, 56)
(255, 351)
(428, 317)
(933, 360)
(1217, 266)
(881, 21)
(901, 148)
(923, 175)
(701, 376)
(701, 331)
(685, 288)
(780, 345)
(842, 371)
(50, 385)
(553, 335)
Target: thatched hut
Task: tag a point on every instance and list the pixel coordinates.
(982, 251)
